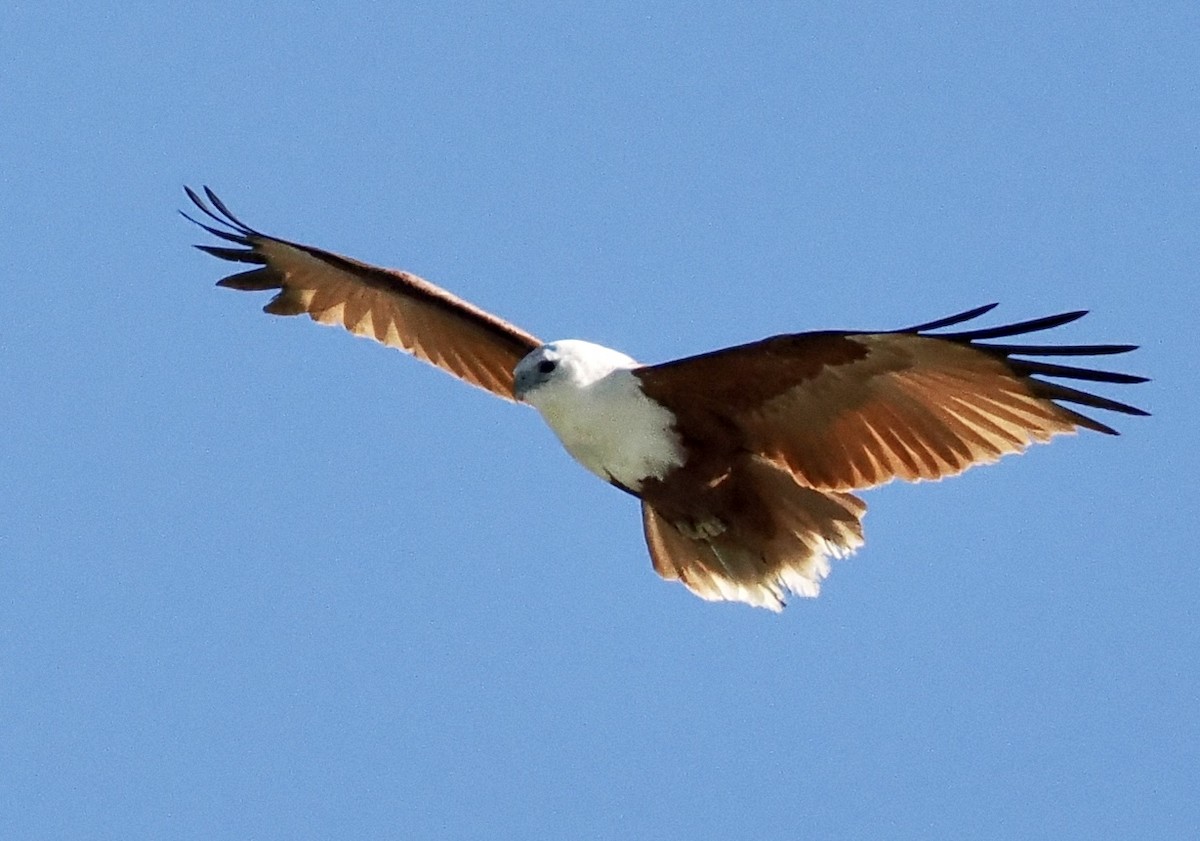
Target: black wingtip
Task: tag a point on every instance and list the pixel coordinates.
(950, 320)
(216, 210)
(1029, 369)
(234, 255)
(204, 208)
(220, 206)
(1058, 350)
(238, 238)
(1019, 328)
(191, 194)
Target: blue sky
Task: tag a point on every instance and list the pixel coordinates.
(259, 579)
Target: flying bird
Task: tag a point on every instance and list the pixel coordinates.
(744, 458)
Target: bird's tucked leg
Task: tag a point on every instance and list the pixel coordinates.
(704, 528)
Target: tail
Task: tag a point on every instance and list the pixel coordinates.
(757, 559)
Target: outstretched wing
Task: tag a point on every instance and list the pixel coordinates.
(396, 308)
(853, 410)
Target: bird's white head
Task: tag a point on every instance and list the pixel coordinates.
(564, 367)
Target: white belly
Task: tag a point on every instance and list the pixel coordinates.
(615, 431)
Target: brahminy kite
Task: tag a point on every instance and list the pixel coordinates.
(743, 458)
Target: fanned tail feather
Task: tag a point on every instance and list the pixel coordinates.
(760, 566)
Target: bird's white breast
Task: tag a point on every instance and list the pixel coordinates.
(614, 430)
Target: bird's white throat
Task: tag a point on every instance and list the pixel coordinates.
(596, 407)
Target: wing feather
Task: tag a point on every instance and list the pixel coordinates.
(395, 308)
(847, 410)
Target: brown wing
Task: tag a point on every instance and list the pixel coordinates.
(396, 308)
(853, 410)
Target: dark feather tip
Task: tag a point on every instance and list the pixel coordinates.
(950, 320)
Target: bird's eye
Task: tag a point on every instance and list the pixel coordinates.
(546, 366)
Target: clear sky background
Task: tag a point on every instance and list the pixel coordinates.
(262, 580)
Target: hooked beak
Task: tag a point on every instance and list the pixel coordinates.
(521, 385)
